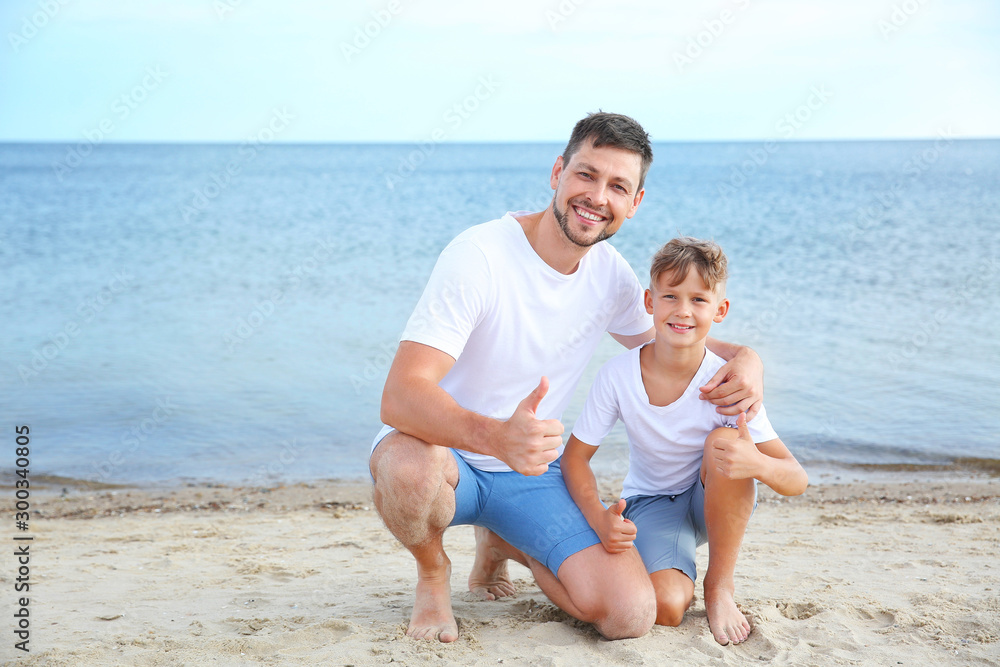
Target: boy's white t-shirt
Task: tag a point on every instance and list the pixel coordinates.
(666, 443)
(508, 318)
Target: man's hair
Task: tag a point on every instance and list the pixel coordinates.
(615, 130)
(683, 252)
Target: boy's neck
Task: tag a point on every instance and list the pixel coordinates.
(678, 363)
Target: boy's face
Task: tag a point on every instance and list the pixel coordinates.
(683, 314)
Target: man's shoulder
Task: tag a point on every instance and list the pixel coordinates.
(488, 235)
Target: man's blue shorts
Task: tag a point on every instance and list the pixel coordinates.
(534, 514)
(670, 528)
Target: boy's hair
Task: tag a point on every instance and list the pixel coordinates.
(615, 130)
(683, 252)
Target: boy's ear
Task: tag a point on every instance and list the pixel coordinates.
(649, 302)
(722, 311)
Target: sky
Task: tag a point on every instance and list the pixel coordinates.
(521, 70)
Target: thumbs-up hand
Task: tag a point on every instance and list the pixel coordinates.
(736, 457)
(530, 444)
(616, 532)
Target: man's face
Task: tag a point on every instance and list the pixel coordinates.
(595, 192)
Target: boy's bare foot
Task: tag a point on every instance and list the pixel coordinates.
(489, 578)
(432, 617)
(725, 620)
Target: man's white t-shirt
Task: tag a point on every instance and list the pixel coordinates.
(666, 443)
(508, 318)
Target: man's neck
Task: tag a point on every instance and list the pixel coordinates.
(550, 243)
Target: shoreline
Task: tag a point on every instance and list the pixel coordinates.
(850, 573)
(820, 474)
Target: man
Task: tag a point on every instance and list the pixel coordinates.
(486, 365)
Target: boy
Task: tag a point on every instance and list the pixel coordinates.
(692, 472)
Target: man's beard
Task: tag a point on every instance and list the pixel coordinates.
(574, 238)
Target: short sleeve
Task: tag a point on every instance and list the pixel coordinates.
(630, 317)
(760, 428)
(454, 300)
(601, 411)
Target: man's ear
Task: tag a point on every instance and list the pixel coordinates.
(722, 311)
(557, 169)
(649, 302)
(635, 203)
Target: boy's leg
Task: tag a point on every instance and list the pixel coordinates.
(728, 506)
(666, 540)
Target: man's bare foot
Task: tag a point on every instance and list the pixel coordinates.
(432, 617)
(725, 620)
(489, 578)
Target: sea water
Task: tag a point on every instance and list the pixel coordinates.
(229, 312)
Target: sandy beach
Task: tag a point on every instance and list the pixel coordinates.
(885, 573)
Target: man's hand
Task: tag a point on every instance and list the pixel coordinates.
(529, 444)
(617, 533)
(739, 457)
(738, 386)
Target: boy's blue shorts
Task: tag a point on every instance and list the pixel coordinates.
(670, 528)
(534, 514)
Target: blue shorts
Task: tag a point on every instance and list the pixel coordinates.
(534, 514)
(670, 528)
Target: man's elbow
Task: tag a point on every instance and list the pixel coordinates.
(389, 408)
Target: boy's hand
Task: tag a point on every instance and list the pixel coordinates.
(738, 458)
(531, 444)
(616, 532)
(738, 386)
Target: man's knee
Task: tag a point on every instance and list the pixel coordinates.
(613, 592)
(404, 460)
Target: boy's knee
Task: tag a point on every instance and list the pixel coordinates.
(670, 607)
(722, 433)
